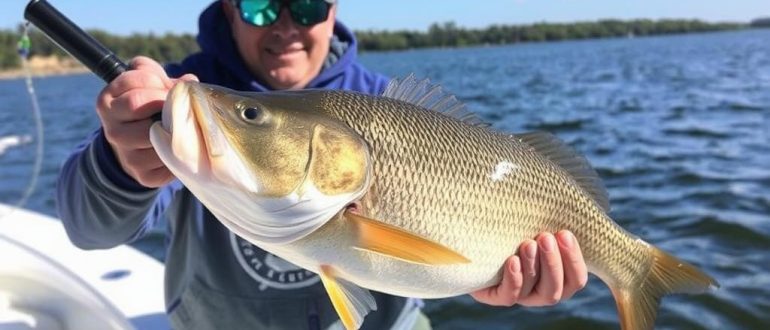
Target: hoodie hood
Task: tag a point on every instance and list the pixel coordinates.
(215, 40)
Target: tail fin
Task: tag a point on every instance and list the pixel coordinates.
(638, 307)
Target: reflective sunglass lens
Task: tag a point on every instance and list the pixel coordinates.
(309, 12)
(260, 12)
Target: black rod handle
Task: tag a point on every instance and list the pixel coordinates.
(74, 40)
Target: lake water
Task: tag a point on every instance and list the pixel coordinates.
(678, 127)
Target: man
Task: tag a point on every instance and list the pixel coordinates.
(114, 187)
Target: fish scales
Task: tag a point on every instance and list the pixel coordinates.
(430, 168)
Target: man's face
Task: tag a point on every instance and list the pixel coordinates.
(285, 55)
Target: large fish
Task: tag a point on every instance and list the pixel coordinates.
(405, 193)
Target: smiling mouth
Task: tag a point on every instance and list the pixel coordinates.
(283, 51)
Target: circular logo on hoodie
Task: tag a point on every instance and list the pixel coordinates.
(269, 270)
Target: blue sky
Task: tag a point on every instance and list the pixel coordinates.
(159, 16)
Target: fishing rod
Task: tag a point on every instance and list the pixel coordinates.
(81, 45)
(68, 36)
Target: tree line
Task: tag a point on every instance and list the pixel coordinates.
(450, 35)
(762, 22)
(171, 47)
(165, 48)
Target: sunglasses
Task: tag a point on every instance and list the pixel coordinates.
(263, 13)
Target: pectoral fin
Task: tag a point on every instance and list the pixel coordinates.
(395, 242)
(351, 302)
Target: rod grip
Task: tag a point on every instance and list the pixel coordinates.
(74, 40)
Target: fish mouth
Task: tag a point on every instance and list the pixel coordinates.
(198, 140)
(177, 136)
(189, 105)
(215, 143)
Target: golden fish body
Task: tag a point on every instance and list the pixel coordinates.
(384, 194)
(477, 191)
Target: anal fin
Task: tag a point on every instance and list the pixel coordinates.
(382, 238)
(351, 302)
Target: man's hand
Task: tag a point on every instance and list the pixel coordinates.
(541, 274)
(125, 108)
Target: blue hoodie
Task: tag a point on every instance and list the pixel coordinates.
(214, 279)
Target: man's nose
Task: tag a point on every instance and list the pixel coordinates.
(285, 27)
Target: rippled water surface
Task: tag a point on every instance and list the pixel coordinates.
(678, 127)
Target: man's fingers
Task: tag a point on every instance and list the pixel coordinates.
(135, 79)
(131, 135)
(186, 77)
(142, 160)
(144, 166)
(542, 273)
(551, 284)
(141, 63)
(575, 271)
(507, 292)
(145, 73)
(141, 103)
(530, 266)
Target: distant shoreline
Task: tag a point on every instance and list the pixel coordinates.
(45, 66)
(20, 73)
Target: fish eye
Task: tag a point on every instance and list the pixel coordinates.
(254, 115)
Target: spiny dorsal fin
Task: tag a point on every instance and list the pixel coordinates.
(568, 159)
(431, 97)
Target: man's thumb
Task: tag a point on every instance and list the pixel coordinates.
(189, 77)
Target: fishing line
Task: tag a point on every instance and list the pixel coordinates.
(23, 46)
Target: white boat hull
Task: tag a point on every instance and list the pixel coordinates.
(48, 283)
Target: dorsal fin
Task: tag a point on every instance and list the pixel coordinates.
(431, 97)
(568, 159)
